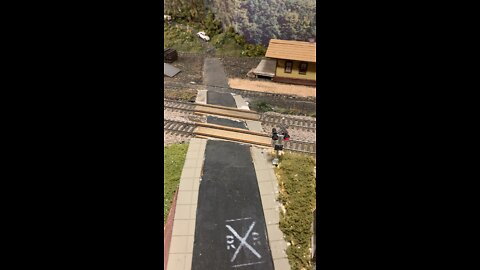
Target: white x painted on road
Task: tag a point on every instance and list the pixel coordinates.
(243, 241)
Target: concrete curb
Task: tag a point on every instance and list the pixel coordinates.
(201, 97)
(183, 232)
(268, 186)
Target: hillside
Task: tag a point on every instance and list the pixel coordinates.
(261, 20)
(257, 20)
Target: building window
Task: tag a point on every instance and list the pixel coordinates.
(303, 68)
(288, 66)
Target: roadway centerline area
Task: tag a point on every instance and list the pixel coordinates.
(230, 232)
(226, 122)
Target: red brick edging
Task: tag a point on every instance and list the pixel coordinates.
(167, 231)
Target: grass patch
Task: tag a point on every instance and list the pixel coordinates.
(173, 160)
(294, 111)
(262, 106)
(297, 193)
(181, 39)
(181, 95)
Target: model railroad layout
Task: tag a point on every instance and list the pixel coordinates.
(184, 129)
(205, 130)
(289, 122)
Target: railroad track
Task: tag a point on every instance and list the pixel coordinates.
(288, 122)
(190, 129)
(300, 146)
(178, 106)
(177, 127)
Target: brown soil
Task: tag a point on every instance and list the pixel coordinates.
(272, 87)
(238, 67)
(191, 66)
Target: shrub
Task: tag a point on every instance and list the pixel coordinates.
(213, 26)
(240, 40)
(254, 50)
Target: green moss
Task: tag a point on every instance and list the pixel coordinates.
(173, 160)
(297, 181)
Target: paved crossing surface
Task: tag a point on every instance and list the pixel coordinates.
(215, 78)
(222, 99)
(230, 231)
(226, 122)
(214, 73)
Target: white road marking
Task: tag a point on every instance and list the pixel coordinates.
(246, 264)
(243, 242)
(230, 220)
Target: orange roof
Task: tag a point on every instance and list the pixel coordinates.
(292, 50)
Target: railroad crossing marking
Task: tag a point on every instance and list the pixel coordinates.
(243, 242)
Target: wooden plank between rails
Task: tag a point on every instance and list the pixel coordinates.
(240, 130)
(233, 136)
(226, 111)
(228, 114)
(223, 107)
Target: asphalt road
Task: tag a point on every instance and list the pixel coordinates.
(215, 78)
(230, 230)
(221, 99)
(226, 122)
(214, 73)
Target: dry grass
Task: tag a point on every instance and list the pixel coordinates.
(273, 87)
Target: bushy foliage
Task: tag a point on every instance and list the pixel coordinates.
(261, 20)
(185, 10)
(240, 40)
(254, 50)
(212, 26)
(227, 42)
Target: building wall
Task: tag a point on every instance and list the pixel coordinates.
(311, 71)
